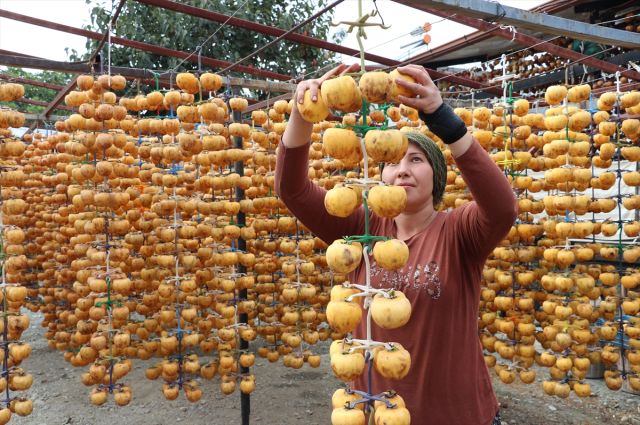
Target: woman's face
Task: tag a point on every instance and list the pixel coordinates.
(415, 174)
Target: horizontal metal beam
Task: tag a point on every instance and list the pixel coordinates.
(535, 43)
(507, 15)
(262, 29)
(142, 46)
(133, 73)
(479, 36)
(12, 79)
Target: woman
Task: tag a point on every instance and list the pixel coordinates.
(449, 381)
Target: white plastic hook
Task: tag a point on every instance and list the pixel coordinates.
(511, 28)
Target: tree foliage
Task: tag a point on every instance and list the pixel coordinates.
(37, 93)
(178, 31)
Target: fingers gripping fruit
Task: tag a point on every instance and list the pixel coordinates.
(342, 94)
(399, 90)
(313, 111)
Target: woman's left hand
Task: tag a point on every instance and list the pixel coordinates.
(429, 98)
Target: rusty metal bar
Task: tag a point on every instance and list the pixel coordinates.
(32, 127)
(549, 24)
(141, 46)
(258, 85)
(11, 78)
(534, 43)
(145, 75)
(479, 36)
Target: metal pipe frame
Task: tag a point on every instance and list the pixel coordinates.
(291, 31)
(251, 84)
(483, 35)
(493, 11)
(141, 46)
(533, 42)
(310, 41)
(262, 29)
(12, 79)
(145, 75)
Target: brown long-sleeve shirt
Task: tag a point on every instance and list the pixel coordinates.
(449, 381)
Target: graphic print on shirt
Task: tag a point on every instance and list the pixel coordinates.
(412, 280)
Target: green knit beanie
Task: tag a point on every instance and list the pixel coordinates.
(435, 158)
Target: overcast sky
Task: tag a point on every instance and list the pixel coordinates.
(50, 44)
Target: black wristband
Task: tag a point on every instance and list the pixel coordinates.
(445, 124)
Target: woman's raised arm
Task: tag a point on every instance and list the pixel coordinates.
(302, 197)
(484, 223)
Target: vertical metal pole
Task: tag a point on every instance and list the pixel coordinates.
(245, 401)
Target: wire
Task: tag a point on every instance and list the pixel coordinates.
(210, 37)
(376, 5)
(394, 39)
(295, 28)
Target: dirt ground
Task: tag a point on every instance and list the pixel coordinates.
(282, 396)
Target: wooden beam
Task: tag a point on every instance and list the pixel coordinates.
(507, 15)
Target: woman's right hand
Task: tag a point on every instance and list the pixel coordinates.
(315, 84)
(299, 130)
